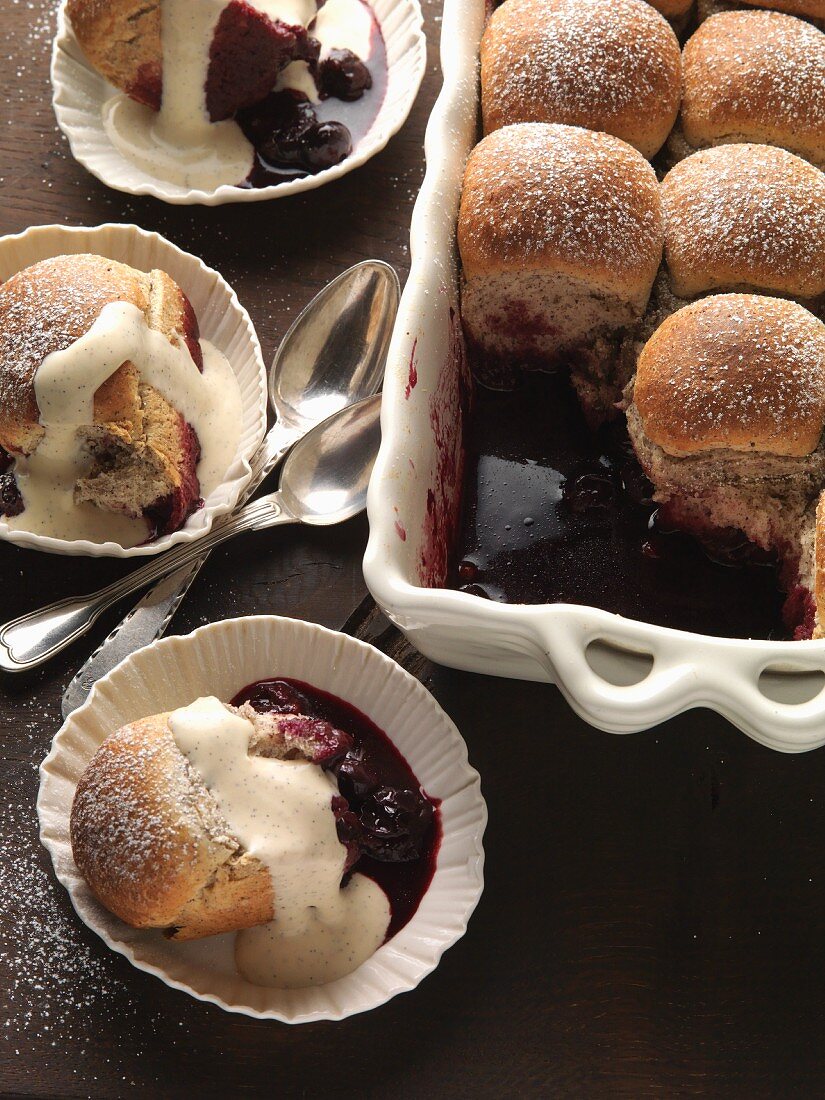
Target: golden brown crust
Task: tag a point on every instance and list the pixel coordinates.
(541, 198)
(811, 10)
(745, 216)
(734, 372)
(755, 76)
(122, 40)
(149, 840)
(606, 65)
(672, 9)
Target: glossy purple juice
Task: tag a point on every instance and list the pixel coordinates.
(554, 513)
(294, 138)
(372, 766)
(11, 502)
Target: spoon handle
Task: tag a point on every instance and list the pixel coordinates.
(32, 639)
(151, 615)
(274, 446)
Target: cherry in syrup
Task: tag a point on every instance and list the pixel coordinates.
(391, 829)
(289, 140)
(343, 75)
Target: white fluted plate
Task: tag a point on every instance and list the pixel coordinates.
(79, 94)
(220, 659)
(222, 320)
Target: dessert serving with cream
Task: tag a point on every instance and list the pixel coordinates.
(116, 419)
(646, 335)
(234, 92)
(286, 817)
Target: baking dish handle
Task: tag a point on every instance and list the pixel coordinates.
(664, 691)
(686, 672)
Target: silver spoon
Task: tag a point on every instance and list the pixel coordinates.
(324, 481)
(332, 356)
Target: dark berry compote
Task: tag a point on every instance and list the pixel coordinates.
(555, 513)
(390, 826)
(296, 137)
(289, 140)
(11, 502)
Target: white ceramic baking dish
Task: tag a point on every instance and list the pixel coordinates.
(618, 674)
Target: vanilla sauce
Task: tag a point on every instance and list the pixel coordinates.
(179, 143)
(65, 385)
(281, 812)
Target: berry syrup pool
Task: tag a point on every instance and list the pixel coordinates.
(554, 513)
(395, 824)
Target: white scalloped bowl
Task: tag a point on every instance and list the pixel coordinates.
(79, 94)
(220, 659)
(222, 320)
(618, 674)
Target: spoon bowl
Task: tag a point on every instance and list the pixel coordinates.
(334, 352)
(325, 478)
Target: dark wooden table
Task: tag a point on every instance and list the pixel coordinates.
(654, 918)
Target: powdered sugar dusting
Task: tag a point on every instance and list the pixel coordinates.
(806, 9)
(586, 199)
(118, 809)
(54, 972)
(45, 309)
(608, 65)
(735, 371)
(53, 976)
(745, 215)
(757, 75)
